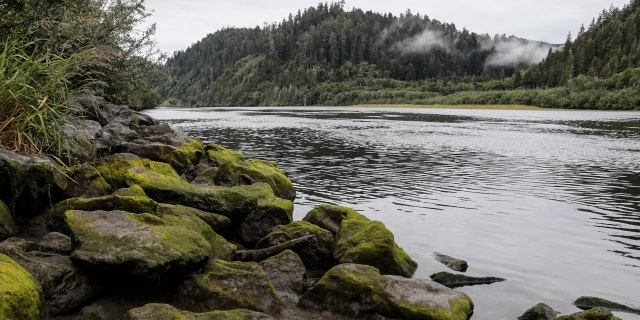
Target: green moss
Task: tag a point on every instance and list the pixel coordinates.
(154, 311)
(7, 226)
(87, 182)
(20, 295)
(194, 149)
(218, 155)
(458, 309)
(593, 314)
(236, 173)
(133, 191)
(219, 223)
(330, 217)
(116, 169)
(371, 243)
(221, 249)
(134, 204)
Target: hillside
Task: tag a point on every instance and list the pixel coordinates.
(325, 51)
(325, 55)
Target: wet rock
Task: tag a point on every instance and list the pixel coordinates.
(451, 262)
(140, 245)
(316, 255)
(156, 311)
(7, 226)
(586, 302)
(234, 173)
(56, 242)
(227, 285)
(593, 314)
(270, 212)
(459, 280)
(540, 311)
(360, 291)
(287, 274)
(21, 294)
(65, 287)
(362, 241)
(219, 223)
(330, 217)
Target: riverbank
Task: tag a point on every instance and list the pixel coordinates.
(460, 106)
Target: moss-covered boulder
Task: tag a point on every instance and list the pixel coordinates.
(218, 155)
(287, 273)
(540, 311)
(592, 314)
(65, 287)
(227, 285)
(360, 291)
(256, 170)
(370, 242)
(219, 223)
(86, 182)
(135, 204)
(330, 217)
(316, 255)
(180, 158)
(588, 302)
(7, 226)
(270, 212)
(20, 294)
(162, 183)
(155, 311)
(140, 245)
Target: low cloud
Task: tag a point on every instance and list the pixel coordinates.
(425, 41)
(514, 51)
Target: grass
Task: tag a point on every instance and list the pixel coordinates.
(459, 106)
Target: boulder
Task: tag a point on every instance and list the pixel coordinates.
(287, 273)
(56, 242)
(269, 213)
(65, 287)
(7, 226)
(139, 245)
(233, 173)
(217, 155)
(540, 311)
(586, 303)
(362, 241)
(360, 291)
(316, 255)
(86, 182)
(330, 217)
(592, 314)
(451, 262)
(227, 285)
(219, 223)
(452, 280)
(179, 157)
(21, 296)
(154, 311)
(135, 204)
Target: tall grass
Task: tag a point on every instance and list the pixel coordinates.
(34, 96)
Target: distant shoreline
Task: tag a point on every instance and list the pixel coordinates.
(458, 106)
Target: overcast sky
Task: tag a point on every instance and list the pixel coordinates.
(182, 23)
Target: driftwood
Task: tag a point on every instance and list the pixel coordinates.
(264, 253)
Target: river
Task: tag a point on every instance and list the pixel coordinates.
(549, 200)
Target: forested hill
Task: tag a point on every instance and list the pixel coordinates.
(326, 55)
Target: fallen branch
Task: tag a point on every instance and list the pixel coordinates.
(264, 253)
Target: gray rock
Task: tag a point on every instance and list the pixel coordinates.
(8, 228)
(227, 285)
(219, 223)
(56, 242)
(154, 311)
(459, 280)
(451, 262)
(65, 287)
(269, 213)
(540, 311)
(86, 183)
(360, 291)
(287, 273)
(586, 303)
(592, 314)
(330, 217)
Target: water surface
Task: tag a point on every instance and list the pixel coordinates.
(549, 200)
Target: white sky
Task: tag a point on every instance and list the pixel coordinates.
(182, 23)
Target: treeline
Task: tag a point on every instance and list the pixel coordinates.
(325, 47)
(327, 56)
(51, 50)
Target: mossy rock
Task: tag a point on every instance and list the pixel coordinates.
(587, 302)
(134, 204)
(360, 291)
(453, 280)
(220, 248)
(180, 158)
(86, 182)
(592, 314)
(139, 245)
(219, 223)
(155, 311)
(7, 226)
(20, 295)
(270, 212)
(133, 191)
(317, 255)
(256, 170)
(115, 169)
(219, 155)
(371, 243)
(227, 285)
(330, 217)
(287, 273)
(540, 311)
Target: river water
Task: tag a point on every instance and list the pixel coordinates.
(549, 200)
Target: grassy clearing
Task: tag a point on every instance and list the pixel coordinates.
(460, 106)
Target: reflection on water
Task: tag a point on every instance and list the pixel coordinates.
(549, 200)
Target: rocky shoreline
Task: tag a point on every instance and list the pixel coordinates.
(155, 225)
